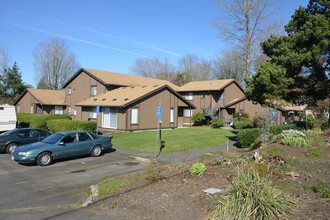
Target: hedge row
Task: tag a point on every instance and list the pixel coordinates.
(67, 125)
(28, 120)
(24, 119)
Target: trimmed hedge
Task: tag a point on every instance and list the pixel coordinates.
(68, 125)
(247, 137)
(24, 119)
(217, 123)
(243, 123)
(40, 121)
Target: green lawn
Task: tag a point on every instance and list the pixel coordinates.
(175, 140)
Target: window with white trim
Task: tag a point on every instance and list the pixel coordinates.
(172, 115)
(92, 112)
(188, 113)
(189, 96)
(134, 116)
(93, 91)
(69, 90)
(58, 110)
(18, 108)
(31, 109)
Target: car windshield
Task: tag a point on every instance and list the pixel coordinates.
(52, 139)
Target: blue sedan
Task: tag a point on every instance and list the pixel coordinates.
(62, 145)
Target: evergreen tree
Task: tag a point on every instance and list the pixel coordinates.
(15, 85)
(298, 69)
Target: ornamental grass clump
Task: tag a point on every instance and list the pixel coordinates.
(297, 141)
(292, 133)
(251, 197)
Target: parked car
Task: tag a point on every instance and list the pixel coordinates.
(10, 140)
(62, 145)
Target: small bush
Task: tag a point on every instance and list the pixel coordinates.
(198, 118)
(247, 137)
(197, 169)
(277, 129)
(291, 133)
(243, 123)
(251, 197)
(217, 123)
(309, 120)
(107, 189)
(297, 141)
(153, 174)
(68, 125)
(321, 189)
(324, 125)
(315, 153)
(313, 132)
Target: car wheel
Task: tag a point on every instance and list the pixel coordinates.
(44, 159)
(96, 151)
(11, 147)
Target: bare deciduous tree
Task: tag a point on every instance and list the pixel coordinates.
(155, 68)
(229, 65)
(195, 68)
(4, 66)
(54, 63)
(244, 22)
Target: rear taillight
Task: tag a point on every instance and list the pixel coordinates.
(110, 140)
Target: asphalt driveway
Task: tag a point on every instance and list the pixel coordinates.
(33, 192)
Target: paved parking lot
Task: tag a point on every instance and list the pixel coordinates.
(33, 192)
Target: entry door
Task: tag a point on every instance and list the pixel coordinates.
(110, 117)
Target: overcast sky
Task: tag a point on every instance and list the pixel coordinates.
(111, 34)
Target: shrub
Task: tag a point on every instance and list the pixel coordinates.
(68, 125)
(321, 189)
(153, 174)
(247, 137)
(198, 118)
(40, 121)
(297, 141)
(251, 197)
(242, 123)
(324, 125)
(24, 119)
(309, 120)
(292, 133)
(243, 114)
(313, 132)
(197, 169)
(217, 123)
(315, 153)
(277, 129)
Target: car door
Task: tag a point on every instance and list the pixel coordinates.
(32, 136)
(67, 147)
(85, 143)
(23, 137)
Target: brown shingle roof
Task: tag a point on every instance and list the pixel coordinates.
(124, 96)
(120, 79)
(206, 85)
(48, 97)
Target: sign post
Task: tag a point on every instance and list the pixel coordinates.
(97, 119)
(159, 127)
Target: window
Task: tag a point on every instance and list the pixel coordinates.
(189, 96)
(69, 139)
(187, 113)
(134, 115)
(92, 112)
(172, 115)
(18, 108)
(93, 91)
(84, 137)
(58, 110)
(202, 96)
(31, 109)
(69, 90)
(274, 117)
(68, 109)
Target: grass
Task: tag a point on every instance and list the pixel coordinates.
(107, 189)
(175, 140)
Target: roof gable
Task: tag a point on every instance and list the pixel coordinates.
(45, 97)
(125, 96)
(212, 85)
(120, 79)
